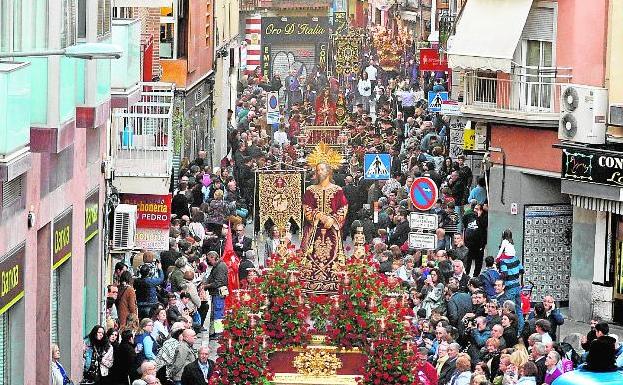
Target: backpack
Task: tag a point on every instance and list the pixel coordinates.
(571, 354)
(140, 352)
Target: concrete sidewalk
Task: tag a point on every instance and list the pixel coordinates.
(572, 330)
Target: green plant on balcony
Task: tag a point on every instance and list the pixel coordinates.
(181, 128)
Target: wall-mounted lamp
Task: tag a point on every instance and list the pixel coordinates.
(32, 219)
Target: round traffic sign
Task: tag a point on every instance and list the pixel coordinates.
(272, 101)
(423, 193)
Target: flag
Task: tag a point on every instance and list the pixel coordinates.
(232, 262)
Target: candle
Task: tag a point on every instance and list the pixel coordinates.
(264, 341)
(382, 324)
(229, 343)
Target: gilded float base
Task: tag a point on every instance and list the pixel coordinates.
(299, 379)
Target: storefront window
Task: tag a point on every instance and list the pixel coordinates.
(4, 348)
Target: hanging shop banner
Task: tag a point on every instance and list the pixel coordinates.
(592, 166)
(91, 215)
(152, 239)
(154, 211)
(430, 60)
(61, 239)
(12, 278)
(340, 23)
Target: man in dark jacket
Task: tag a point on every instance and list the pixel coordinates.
(216, 284)
(401, 232)
(448, 368)
(199, 371)
(459, 304)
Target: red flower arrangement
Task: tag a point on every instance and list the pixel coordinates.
(243, 351)
(353, 309)
(391, 355)
(285, 317)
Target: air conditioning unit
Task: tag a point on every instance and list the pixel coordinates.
(583, 112)
(615, 115)
(124, 228)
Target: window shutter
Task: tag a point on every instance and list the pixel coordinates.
(4, 348)
(12, 192)
(54, 307)
(540, 24)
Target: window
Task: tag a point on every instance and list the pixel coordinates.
(208, 23)
(538, 86)
(4, 348)
(82, 19)
(54, 292)
(68, 24)
(485, 87)
(104, 9)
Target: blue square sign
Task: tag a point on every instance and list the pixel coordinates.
(377, 166)
(435, 100)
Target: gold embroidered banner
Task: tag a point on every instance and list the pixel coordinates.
(346, 54)
(280, 197)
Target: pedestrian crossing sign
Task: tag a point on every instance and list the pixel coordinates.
(377, 166)
(435, 100)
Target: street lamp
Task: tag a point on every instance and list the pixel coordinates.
(88, 51)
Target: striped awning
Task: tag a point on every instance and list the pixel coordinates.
(597, 204)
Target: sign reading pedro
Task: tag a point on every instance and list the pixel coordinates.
(61, 239)
(154, 211)
(300, 29)
(12, 278)
(91, 215)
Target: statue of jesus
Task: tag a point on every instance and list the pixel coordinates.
(324, 207)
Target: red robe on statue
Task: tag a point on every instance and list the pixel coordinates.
(233, 264)
(325, 111)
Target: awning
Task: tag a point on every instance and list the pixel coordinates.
(597, 204)
(487, 34)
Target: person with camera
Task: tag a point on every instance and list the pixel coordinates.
(146, 288)
(476, 329)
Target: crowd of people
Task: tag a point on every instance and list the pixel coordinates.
(472, 325)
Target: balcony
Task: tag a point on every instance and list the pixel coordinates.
(142, 141)
(14, 107)
(251, 5)
(125, 90)
(529, 97)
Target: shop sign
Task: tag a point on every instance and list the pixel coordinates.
(61, 239)
(91, 215)
(340, 23)
(431, 61)
(152, 239)
(475, 136)
(153, 211)
(298, 29)
(12, 278)
(592, 167)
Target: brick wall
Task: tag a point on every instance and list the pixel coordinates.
(150, 24)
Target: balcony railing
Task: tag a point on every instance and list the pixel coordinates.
(531, 91)
(249, 5)
(143, 138)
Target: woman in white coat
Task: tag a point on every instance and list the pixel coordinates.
(58, 373)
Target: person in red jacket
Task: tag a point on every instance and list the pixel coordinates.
(424, 370)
